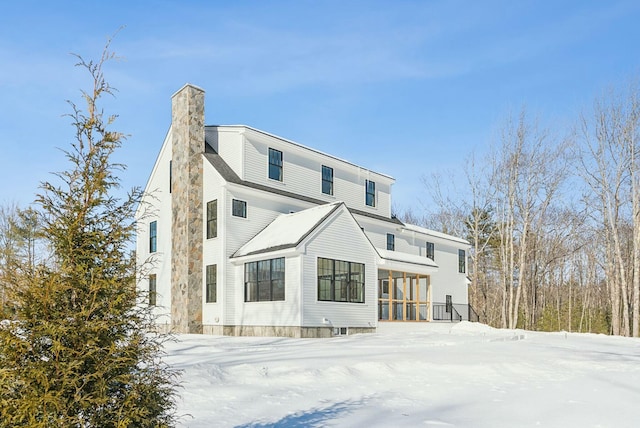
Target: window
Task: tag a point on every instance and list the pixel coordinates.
(211, 293)
(370, 193)
(327, 180)
(152, 290)
(340, 281)
(153, 237)
(431, 250)
(391, 241)
(264, 280)
(448, 304)
(212, 219)
(275, 164)
(462, 261)
(239, 208)
(170, 175)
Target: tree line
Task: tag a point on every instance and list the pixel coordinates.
(553, 219)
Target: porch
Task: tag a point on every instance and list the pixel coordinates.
(403, 296)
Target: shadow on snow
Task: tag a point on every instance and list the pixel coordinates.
(312, 418)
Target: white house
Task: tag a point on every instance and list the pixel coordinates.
(252, 234)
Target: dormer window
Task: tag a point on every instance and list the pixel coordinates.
(370, 193)
(431, 250)
(275, 164)
(327, 180)
(391, 242)
(462, 261)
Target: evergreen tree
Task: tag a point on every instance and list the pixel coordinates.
(77, 350)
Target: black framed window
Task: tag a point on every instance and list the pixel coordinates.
(264, 280)
(275, 164)
(170, 175)
(462, 261)
(340, 281)
(152, 289)
(431, 250)
(239, 208)
(391, 242)
(212, 219)
(370, 193)
(153, 236)
(327, 180)
(211, 281)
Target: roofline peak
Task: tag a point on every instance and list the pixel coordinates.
(187, 85)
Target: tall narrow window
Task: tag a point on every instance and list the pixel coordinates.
(462, 261)
(327, 180)
(370, 193)
(170, 175)
(391, 242)
(153, 237)
(431, 250)
(275, 164)
(212, 219)
(152, 290)
(211, 292)
(239, 208)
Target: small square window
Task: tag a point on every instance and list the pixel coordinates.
(239, 208)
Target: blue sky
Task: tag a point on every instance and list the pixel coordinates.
(405, 88)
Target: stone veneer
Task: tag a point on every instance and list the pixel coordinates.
(279, 331)
(187, 132)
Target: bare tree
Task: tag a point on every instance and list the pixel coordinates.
(610, 165)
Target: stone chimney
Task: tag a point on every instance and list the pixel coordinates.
(187, 133)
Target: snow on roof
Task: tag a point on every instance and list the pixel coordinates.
(287, 230)
(426, 231)
(406, 258)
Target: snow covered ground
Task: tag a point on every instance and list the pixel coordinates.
(411, 375)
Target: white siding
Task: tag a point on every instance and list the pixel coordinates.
(376, 231)
(447, 280)
(278, 313)
(230, 147)
(262, 209)
(302, 174)
(156, 206)
(339, 239)
(212, 249)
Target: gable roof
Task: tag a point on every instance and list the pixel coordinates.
(398, 256)
(287, 230)
(229, 175)
(424, 230)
